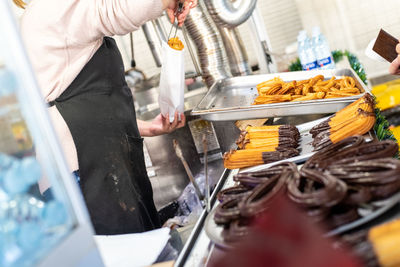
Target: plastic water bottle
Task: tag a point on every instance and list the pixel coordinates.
(322, 50)
(306, 52)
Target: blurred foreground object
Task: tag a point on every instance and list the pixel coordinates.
(284, 237)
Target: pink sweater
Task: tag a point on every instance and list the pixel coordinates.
(62, 35)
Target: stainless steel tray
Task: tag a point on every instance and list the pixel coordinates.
(232, 98)
(368, 212)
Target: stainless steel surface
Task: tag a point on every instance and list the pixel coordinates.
(200, 248)
(191, 52)
(150, 35)
(230, 13)
(373, 210)
(232, 98)
(210, 49)
(170, 177)
(207, 184)
(237, 56)
(197, 247)
(160, 30)
(381, 207)
(262, 43)
(179, 153)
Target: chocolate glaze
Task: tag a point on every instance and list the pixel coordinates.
(357, 195)
(261, 197)
(329, 186)
(342, 214)
(280, 154)
(233, 192)
(330, 192)
(289, 136)
(237, 230)
(322, 127)
(227, 211)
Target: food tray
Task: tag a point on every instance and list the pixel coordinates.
(305, 145)
(232, 98)
(368, 212)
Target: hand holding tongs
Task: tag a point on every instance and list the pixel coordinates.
(178, 11)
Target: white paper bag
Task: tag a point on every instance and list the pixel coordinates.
(172, 82)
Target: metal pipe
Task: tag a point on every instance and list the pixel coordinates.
(238, 60)
(230, 13)
(150, 41)
(261, 43)
(189, 46)
(210, 49)
(160, 30)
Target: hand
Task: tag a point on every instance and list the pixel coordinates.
(161, 125)
(173, 5)
(395, 65)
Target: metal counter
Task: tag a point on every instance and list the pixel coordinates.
(199, 248)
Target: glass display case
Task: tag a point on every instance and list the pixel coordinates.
(34, 230)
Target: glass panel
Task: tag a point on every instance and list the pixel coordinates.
(33, 221)
(30, 223)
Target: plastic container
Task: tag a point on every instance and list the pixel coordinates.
(322, 50)
(306, 52)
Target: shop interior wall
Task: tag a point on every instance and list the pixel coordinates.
(347, 25)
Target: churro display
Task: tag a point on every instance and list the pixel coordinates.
(355, 119)
(329, 187)
(276, 90)
(264, 144)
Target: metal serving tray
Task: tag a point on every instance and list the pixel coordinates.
(232, 98)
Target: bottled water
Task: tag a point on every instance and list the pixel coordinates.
(322, 50)
(306, 52)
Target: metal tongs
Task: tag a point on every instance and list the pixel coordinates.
(175, 25)
(179, 153)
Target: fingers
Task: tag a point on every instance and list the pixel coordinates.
(395, 65)
(165, 123)
(186, 9)
(171, 15)
(182, 17)
(398, 48)
(194, 3)
(175, 122)
(182, 122)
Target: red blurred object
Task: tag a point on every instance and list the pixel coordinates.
(285, 237)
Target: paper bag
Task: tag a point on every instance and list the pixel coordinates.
(172, 82)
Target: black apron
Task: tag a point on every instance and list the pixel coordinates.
(99, 111)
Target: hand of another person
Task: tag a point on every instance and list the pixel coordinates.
(161, 125)
(395, 65)
(173, 5)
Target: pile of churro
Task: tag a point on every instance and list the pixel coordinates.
(276, 90)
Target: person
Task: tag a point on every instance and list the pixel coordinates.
(81, 75)
(394, 67)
